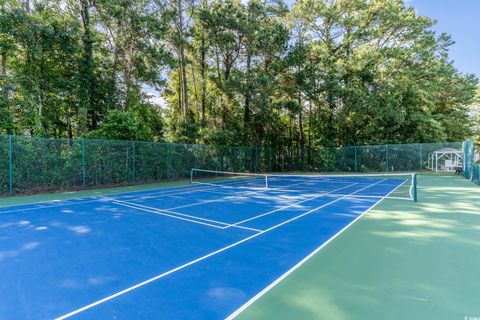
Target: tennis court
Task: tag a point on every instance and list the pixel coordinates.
(204, 250)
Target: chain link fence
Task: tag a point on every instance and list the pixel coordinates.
(32, 165)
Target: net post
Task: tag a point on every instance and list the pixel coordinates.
(191, 176)
(414, 181)
(472, 160)
(10, 164)
(266, 182)
(83, 165)
(467, 168)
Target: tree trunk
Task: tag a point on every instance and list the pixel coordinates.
(69, 125)
(86, 70)
(40, 109)
(219, 70)
(330, 134)
(202, 70)
(180, 96)
(112, 97)
(4, 75)
(128, 69)
(182, 56)
(300, 123)
(300, 128)
(195, 91)
(4, 63)
(4, 68)
(310, 131)
(246, 115)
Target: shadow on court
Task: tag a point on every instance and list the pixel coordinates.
(401, 261)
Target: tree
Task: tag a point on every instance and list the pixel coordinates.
(324, 74)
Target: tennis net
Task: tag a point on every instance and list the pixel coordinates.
(377, 185)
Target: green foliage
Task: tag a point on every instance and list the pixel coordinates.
(323, 73)
(475, 112)
(41, 164)
(140, 124)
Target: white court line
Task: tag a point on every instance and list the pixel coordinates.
(166, 214)
(229, 197)
(169, 211)
(159, 193)
(359, 183)
(289, 206)
(77, 201)
(214, 188)
(377, 197)
(177, 215)
(162, 275)
(368, 197)
(299, 264)
(198, 187)
(238, 223)
(233, 185)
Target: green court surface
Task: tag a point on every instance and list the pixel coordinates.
(402, 260)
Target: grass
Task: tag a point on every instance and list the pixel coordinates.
(402, 260)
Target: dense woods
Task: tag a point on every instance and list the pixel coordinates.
(258, 73)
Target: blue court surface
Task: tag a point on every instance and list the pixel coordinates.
(193, 252)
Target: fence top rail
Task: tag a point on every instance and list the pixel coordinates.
(195, 145)
(198, 145)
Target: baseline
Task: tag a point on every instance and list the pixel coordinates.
(162, 275)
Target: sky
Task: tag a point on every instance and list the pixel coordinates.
(461, 20)
(458, 18)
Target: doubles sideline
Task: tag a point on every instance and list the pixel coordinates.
(162, 275)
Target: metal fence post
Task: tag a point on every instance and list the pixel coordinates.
(302, 156)
(472, 159)
(168, 161)
(222, 168)
(193, 147)
(10, 164)
(421, 157)
(133, 160)
(356, 170)
(386, 158)
(270, 159)
(84, 178)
